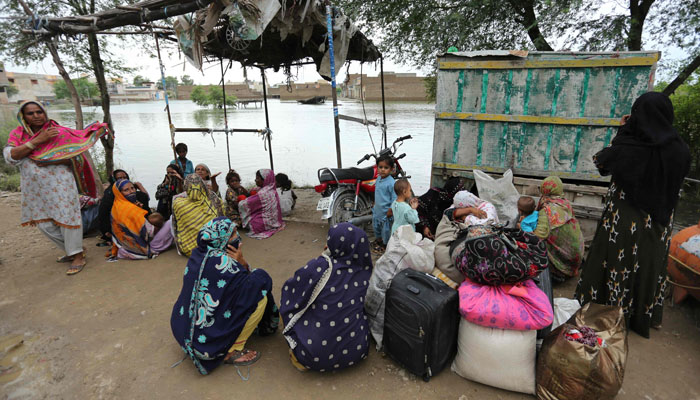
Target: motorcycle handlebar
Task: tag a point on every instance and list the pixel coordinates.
(402, 138)
(366, 157)
(401, 156)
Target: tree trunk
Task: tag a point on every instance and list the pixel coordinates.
(98, 67)
(526, 11)
(638, 13)
(69, 84)
(682, 76)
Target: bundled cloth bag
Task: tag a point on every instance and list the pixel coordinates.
(493, 255)
(521, 307)
(501, 193)
(496, 357)
(406, 249)
(569, 369)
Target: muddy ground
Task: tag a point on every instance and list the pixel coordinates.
(105, 332)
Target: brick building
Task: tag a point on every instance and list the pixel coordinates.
(241, 90)
(32, 86)
(397, 87)
(306, 90)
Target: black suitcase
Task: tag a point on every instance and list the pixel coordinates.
(421, 323)
(544, 282)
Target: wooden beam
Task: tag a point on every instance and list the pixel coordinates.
(537, 63)
(528, 119)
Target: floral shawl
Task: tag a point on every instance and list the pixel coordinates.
(130, 230)
(465, 199)
(557, 208)
(192, 212)
(217, 298)
(261, 213)
(70, 144)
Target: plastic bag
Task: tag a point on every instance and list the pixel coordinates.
(563, 310)
(571, 370)
(406, 249)
(501, 193)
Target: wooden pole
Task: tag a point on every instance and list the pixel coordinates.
(336, 120)
(267, 119)
(223, 89)
(167, 103)
(381, 74)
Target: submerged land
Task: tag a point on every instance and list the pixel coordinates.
(105, 333)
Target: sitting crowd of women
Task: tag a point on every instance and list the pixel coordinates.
(224, 300)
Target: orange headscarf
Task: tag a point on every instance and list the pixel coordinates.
(129, 224)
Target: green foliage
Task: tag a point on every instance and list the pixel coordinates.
(211, 96)
(86, 89)
(186, 80)
(139, 80)
(11, 90)
(9, 175)
(170, 83)
(430, 83)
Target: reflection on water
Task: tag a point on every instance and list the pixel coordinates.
(302, 141)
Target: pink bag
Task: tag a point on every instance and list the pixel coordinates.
(521, 307)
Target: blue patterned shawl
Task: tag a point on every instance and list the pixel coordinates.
(217, 298)
(330, 332)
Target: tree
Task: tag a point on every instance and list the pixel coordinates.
(170, 83)
(11, 90)
(139, 80)
(86, 89)
(211, 96)
(416, 32)
(186, 80)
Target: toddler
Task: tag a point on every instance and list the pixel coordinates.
(404, 211)
(157, 220)
(528, 214)
(384, 196)
(287, 197)
(234, 194)
(182, 161)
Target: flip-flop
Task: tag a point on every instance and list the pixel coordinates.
(72, 270)
(64, 259)
(238, 354)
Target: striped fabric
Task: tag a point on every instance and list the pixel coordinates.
(191, 213)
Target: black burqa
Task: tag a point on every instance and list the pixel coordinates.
(434, 202)
(647, 158)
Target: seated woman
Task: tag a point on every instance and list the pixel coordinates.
(433, 204)
(210, 180)
(89, 211)
(467, 209)
(323, 304)
(235, 193)
(104, 219)
(171, 186)
(136, 235)
(222, 301)
(192, 212)
(557, 225)
(261, 212)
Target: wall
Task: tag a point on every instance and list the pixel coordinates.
(306, 90)
(32, 86)
(240, 90)
(397, 87)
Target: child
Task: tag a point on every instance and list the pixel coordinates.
(234, 194)
(182, 161)
(384, 196)
(528, 214)
(157, 220)
(287, 197)
(404, 211)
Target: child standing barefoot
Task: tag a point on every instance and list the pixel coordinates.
(404, 211)
(384, 196)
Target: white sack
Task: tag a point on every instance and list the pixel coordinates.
(563, 310)
(501, 193)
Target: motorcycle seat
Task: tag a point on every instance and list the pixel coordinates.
(363, 174)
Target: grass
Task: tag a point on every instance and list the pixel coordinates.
(9, 175)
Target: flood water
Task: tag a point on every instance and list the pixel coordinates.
(303, 138)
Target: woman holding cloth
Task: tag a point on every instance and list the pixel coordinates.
(261, 213)
(626, 265)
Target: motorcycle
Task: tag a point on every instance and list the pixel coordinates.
(348, 193)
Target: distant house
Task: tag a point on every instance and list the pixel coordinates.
(242, 90)
(306, 90)
(145, 91)
(397, 87)
(32, 86)
(4, 84)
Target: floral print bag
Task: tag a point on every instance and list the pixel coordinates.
(494, 255)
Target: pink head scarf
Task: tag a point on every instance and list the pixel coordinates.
(261, 213)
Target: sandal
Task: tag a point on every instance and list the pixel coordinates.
(64, 259)
(236, 354)
(74, 269)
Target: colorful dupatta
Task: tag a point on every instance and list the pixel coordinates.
(129, 228)
(191, 213)
(557, 208)
(217, 298)
(70, 144)
(261, 213)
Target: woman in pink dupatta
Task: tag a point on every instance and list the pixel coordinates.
(261, 212)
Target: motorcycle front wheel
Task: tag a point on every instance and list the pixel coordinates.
(344, 208)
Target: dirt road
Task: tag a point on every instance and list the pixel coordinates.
(105, 333)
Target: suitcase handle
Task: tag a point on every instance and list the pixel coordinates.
(413, 289)
(432, 282)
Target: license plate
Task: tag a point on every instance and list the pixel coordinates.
(324, 204)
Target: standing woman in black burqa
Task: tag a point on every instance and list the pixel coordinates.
(626, 265)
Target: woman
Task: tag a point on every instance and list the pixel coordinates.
(466, 210)
(134, 237)
(104, 217)
(261, 212)
(171, 186)
(433, 204)
(210, 180)
(222, 301)
(626, 265)
(192, 212)
(558, 227)
(323, 304)
(53, 169)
